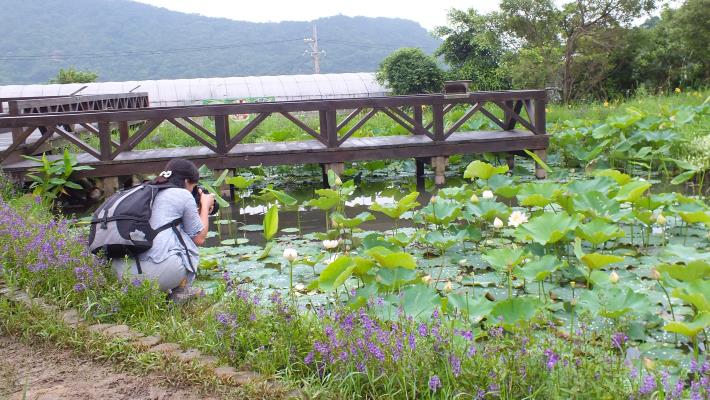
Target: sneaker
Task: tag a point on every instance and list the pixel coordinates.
(183, 294)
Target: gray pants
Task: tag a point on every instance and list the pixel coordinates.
(168, 274)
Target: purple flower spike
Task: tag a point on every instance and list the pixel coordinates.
(434, 383)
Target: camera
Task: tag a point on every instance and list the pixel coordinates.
(196, 194)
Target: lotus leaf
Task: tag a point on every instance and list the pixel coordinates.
(631, 191)
(396, 210)
(389, 259)
(599, 231)
(594, 260)
(601, 184)
(547, 228)
(613, 302)
(694, 270)
(271, 222)
(503, 186)
(352, 222)
(690, 329)
(596, 204)
(487, 209)
(539, 268)
(538, 194)
(620, 177)
(696, 293)
(483, 170)
(441, 212)
(240, 182)
(417, 301)
(328, 199)
(395, 277)
(515, 310)
(401, 239)
(470, 307)
(505, 258)
(336, 273)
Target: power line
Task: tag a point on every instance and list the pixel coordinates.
(127, 53)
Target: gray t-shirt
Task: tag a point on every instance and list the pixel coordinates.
(169, 205)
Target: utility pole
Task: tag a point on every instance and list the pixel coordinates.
(313, 50)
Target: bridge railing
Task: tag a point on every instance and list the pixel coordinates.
(337, 120)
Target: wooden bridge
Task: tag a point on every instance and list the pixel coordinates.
(521, 119)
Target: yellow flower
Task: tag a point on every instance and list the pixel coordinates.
(606, 103)
(573, 284)
(678, 90)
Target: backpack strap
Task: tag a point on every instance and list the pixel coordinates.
(173, 225)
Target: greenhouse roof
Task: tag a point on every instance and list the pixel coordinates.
(172, 92)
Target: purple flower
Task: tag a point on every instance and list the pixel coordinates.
(423, 331)
(434, 383)
(618, 340)
(79, 287)
(648, 385)
(552, 359)
(309, 358)
(455, 365)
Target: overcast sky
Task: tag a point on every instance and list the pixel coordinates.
(428, 13)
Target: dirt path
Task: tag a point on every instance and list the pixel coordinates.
(49, 373)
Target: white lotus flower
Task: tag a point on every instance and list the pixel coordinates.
(290, 254)
(661, 219)
(517, 218)
(487, 194)
(497, 223)
(330, 244)
(463, 262)
(657, 231)
(448, 287)
(613, 277)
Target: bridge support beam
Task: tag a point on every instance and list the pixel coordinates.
(108, 186)
(439, 166)
(337, 168)
(510, 160)
(540, 172)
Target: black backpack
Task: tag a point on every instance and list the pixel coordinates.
(121, 226)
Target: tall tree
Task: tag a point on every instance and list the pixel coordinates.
(473, 48)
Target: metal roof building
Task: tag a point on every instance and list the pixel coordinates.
(179, 92)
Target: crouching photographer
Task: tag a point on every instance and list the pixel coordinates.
(165, 250)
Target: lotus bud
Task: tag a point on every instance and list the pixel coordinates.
(432, 200)
(474, 198)
(487, 194)
(655, 274)
(661, 220)
(573, 284)
(649, 364)
(463, 262)
(426, 279)
(573, 302)
(448, 287)
(299, 287)
(290, 254)
(338, 182)
(497, 223)
(613, 277)
(330, 244)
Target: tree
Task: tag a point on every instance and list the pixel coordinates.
(72, 75)
(473, 48)
(587, 32)
(410, 71)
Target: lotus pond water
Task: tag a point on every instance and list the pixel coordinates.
(605, 251)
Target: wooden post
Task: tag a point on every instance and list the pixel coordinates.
(105, 142)
(439, 166)
(123, 131)
(508, 119)
(540, 117)
(540, 172)
(438, 116)
(510, 160)
(331, 129)
(419, 117)
(221, 124)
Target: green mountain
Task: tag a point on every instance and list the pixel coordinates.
(125, 40)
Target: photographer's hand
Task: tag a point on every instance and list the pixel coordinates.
(207, 201)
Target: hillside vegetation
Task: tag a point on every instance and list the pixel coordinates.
(124, 40)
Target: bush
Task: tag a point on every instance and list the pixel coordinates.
(410, 71)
